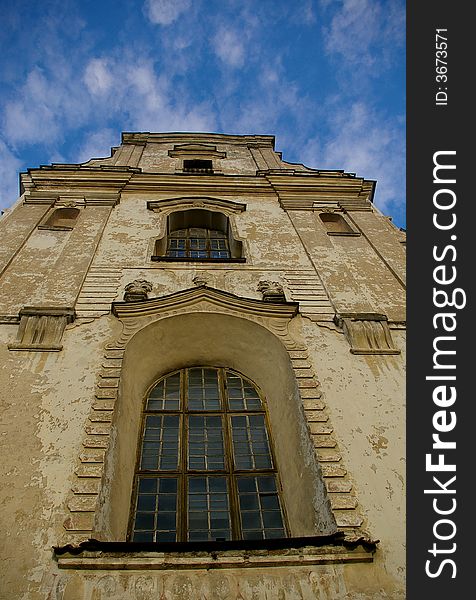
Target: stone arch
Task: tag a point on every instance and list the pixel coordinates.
(224, 340)
(198, 326)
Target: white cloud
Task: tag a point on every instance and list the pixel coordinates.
(9, 167)
(361, 141)
(97, 76)
(45, 106)
(165, 12)
(228, 46)
(303, 13)
(97, 145)
(358, 25)
(142, 100)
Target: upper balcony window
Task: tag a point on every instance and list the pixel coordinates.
(198, 235)
(197, 166)
(198, 242)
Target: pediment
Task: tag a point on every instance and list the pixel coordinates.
(204, 299)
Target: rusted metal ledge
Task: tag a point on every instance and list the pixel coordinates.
(305, 551)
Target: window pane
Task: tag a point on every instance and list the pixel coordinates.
(260, 510)
(198, 244)
(241, 394)
(205, 443)
(160, 443)
(202, 390)
(165, 395)
(208, 509)
(156, 510)
(250, 442)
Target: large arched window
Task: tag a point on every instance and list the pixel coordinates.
(205, 468)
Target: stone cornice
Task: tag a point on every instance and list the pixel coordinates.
(187, 298)
(196, 138)
(89, 182)
(305, 191)
(200, 184)
(296, 190)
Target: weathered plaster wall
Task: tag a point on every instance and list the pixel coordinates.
(366, 401)
(356, 275)
(45, 401)
(15, 227)
(49, 268)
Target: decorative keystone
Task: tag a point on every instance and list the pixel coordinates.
(272, 291)
(200, 279)
(137, 290)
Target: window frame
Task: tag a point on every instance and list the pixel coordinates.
(189, 236)
(198, 166)
(209, 222)
(183, 473)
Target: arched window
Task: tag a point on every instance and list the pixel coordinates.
(205, 469)
(198, 234)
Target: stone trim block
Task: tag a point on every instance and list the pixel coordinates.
(41, 328)
(367, 333)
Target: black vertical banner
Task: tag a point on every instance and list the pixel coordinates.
(441, 433)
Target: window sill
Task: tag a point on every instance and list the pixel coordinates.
(345, 233)
(215, 555)
(36, 347)
(195, 260)
(56, 227)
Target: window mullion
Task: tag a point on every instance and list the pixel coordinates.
(233, 492)
(187, 249)
(208, 244)
(183, 507)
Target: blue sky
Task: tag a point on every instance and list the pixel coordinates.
(326, 77)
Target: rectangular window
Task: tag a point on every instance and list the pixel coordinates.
(197, 166)
(161, 442)
(260, 511)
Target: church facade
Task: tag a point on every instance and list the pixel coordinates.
(203, 376)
